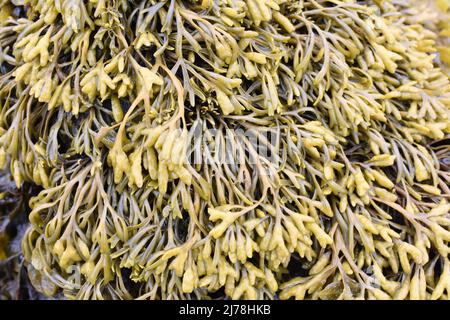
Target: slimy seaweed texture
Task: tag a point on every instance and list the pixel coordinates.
(227, 149)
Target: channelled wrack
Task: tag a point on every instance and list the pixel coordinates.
(100, 102)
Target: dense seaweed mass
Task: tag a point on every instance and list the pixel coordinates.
(105, 104)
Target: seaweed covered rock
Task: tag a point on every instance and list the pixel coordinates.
(248, 149)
